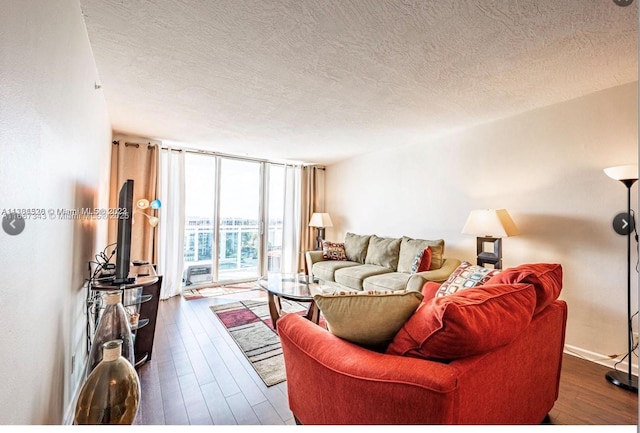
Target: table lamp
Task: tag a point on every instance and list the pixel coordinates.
(490, 226)
(320, 221)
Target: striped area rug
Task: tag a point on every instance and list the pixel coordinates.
(249, 323)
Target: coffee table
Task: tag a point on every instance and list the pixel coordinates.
(294, 287)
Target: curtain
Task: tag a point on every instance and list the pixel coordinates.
(311, 200)
(171, 225)
(137, 161)
(291, 222)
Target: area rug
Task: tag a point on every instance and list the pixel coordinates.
(249, 323)
(210, 292)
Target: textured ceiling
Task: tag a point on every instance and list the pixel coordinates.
(323, 80)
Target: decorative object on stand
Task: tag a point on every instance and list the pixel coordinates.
(143, 204)
(111, 393)
(628, 175)
(320, 221)
(490, 226)
(112, 325)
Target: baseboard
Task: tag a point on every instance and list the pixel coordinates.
(601, 359)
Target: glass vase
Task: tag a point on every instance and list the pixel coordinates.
(111, 393)
(113, 325)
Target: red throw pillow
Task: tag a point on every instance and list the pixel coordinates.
(545, 277)
(422, 261)
(468, 323)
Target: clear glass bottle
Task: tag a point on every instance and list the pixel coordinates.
(113, 325)
(111, 393)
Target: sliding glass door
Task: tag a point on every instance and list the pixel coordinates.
(234, 219)
(199, 225)
(239, 220)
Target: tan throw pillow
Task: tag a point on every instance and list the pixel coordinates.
(368, 318)
(464, 277)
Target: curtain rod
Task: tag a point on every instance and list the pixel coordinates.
(213, 153)
(226, 155)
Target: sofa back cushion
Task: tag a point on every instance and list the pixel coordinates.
(355, 247)
(467, 323)
(545, 277)
(383, 252)
(409, 248)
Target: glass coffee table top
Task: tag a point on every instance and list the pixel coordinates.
(297, 287)
(294, 287)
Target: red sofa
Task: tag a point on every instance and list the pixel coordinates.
(333, 381)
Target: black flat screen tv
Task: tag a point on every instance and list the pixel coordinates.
(123, 246)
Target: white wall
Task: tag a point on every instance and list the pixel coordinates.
(54, 154)
(545, 168)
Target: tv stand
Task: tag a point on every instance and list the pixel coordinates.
(126, 281)
(140, 296)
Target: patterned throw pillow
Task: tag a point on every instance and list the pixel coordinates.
(422, 262)
(333, 251)
(465, 276)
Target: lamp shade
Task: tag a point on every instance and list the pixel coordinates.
(490, 222)
(623, 172)
(320, 220)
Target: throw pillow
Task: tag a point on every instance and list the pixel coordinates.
(333, 251)
(467, 323)
(545, 277)
(409, 248)
(355, 247)
(367, 318)
(422, 261)
(464, 277)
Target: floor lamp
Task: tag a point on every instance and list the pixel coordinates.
(628, 175)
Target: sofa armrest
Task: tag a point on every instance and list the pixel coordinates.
(418, 279)
(312, 257)
(332, 381)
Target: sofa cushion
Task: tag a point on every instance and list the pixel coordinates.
(333, 251)
(354, 276)
(368, 318)
(422, 262)
(355, 247)
(409, 248)
(388, 281)
(466, 276)
(326, 270)
(383, 252)
(545, 277)
(467, 323)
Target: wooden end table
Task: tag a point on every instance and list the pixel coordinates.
(294, 287)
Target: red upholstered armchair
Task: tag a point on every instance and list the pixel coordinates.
(333, 381)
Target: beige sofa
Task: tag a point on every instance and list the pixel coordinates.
(379, 263)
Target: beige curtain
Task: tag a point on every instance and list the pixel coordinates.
(137, 160)
(311, 200)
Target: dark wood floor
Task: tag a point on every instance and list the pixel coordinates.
(198, 376)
